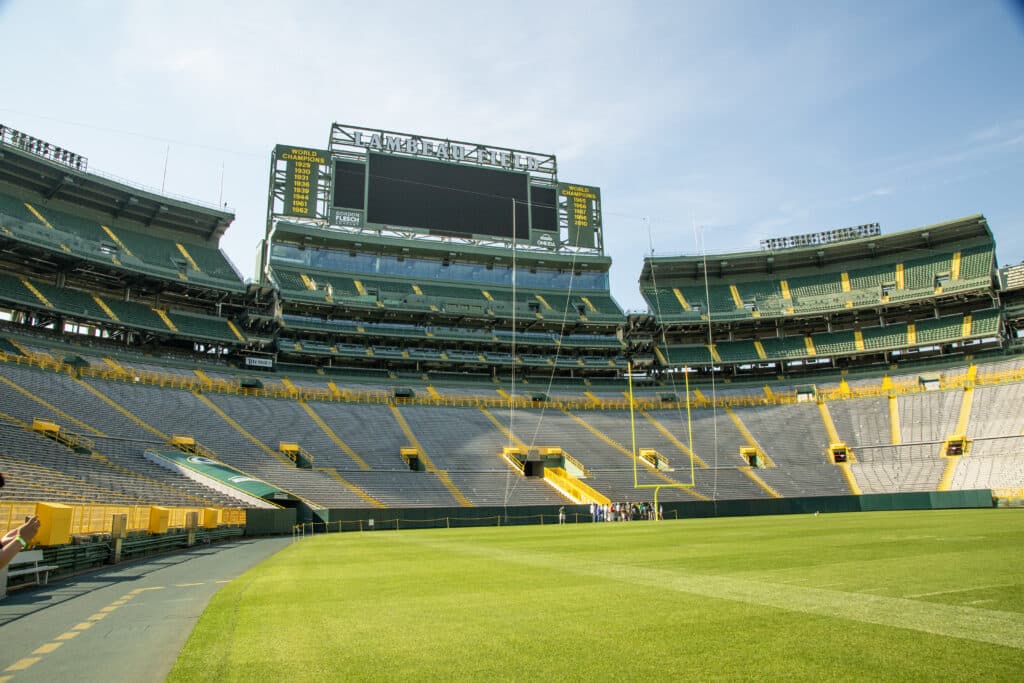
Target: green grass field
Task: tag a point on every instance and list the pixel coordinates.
(885, 596)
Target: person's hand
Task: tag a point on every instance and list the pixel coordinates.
(29, 529)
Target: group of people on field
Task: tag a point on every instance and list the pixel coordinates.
(625, 512)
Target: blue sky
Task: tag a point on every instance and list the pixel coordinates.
(725, 122)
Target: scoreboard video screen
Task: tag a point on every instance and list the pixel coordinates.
(398, 183)
(440, 197)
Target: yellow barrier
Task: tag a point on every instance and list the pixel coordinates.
(96, 519)
(54, 524)
(220, 386)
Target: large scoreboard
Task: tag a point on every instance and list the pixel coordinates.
(414, 186)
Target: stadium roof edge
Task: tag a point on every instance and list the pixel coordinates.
(929, 237)
(118, 198)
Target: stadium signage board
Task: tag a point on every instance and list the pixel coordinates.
(301, 175)
(386, 142)
(580, 210)
(42, 148)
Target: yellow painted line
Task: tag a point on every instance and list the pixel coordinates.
(681, 299)
(4, 679)
(591, 306)
(784, 285)
(167, 321)
(38, 215)
(661, 356)
(99, 616)
(46, 649)
(858, 340)
(109, 608)
(188, 257)
(82, 626)
(241, 430)
(899, 276)
(761, 483)
(954, 270)
(326, 429)
(359, 287)
(188, 585)
(333, 474)
(845, 282)
(965, 331)
(23, 663)
(235, 331)
(223, 581)
(487, 295)
(895, 436)
(106, 309)
(67, 636)
(830, 427)
(50, 406)
(119, 408)
(310, 285)
(714, 351)
(39, 295)
(416, 290)
(543, 302)
(759, 347)
(671, 437)
(428, 464)
(809, 344)
(851, 481)
(736, 296)
(947, 474)
(111, 235)
(911, 334)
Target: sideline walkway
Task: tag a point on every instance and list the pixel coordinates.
(124, 623)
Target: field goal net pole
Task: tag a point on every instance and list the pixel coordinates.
(632, 427)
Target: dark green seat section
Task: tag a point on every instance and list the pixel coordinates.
(341, 285)
(720, 295)
(920, 274)
(834, 343)
(15, 208)
(152, 250)
(758, 291)
(459, 334)
(873, 277)
(784, 348)
(815, 285)
(985, 322)
(202, 326)
(603, 302)
(10, 349)
(292, 286)
(737, 351)
(662, 302)
(446, 291)
(680, 354)
(976, 262)
(76, 225)
(11, 289)
(136, 315)
(587, 341)
(211, 261)
(888, 337)
(946, 328)
(71, 301)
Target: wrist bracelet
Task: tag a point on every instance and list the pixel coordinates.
(21, 540)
